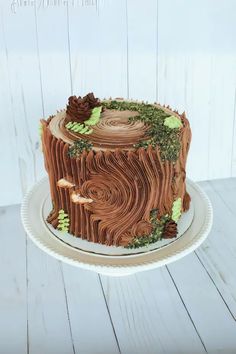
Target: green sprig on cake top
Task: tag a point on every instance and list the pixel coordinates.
(76, 149)
(164, 129)
(163, 228)
(82, 113)
(63, 221)
(85, 128)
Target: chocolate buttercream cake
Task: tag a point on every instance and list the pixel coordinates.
(116, 170)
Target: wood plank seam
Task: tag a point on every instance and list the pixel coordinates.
(182, 300)
(217, 289)
(67, 307)
(69, 47)
(109, 314)
(38, 58)
(11, 94)
(219, 195)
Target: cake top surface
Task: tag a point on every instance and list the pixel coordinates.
(117, 123)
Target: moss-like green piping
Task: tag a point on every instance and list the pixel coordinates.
(168, 139)
(76, 149)
(156, 234)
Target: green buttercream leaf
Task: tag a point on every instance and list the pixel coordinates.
(173, 122)
(69, 125)
(63, 221)
(85, 129)
(40, 129)
(74, 127)
(89, 131)
(78, 127)
(176, 209)
(65, 229)
(95, 116)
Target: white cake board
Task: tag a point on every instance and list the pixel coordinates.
(193, 227)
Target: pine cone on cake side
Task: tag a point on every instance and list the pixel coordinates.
(79, 109)
(186, 201)
(170, 229)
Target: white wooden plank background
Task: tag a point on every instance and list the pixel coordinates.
(187, 307)
(177, 52)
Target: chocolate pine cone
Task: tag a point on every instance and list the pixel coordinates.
(170, 229)
(186, 202)
(80, 109)
(92, 101)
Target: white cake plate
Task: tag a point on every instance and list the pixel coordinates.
(84, 245)
(194, 226)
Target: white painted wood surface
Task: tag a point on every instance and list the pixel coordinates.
(177, 52)
(187, 307)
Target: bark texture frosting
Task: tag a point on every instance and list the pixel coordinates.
(107, 185)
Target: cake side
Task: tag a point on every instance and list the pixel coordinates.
(115, 192)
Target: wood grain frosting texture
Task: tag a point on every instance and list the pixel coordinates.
(110, 191)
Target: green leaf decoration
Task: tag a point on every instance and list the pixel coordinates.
(40, 130)
(89, 131)
(84, 128)
(79, 128)
(95, 116)
(63, 221)
(173, 122)
(40, 135)
(176, 209)
(69, 125)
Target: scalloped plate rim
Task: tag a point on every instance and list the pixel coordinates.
(128, 265)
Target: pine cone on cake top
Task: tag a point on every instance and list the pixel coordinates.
(80, 108)
(93, 102)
